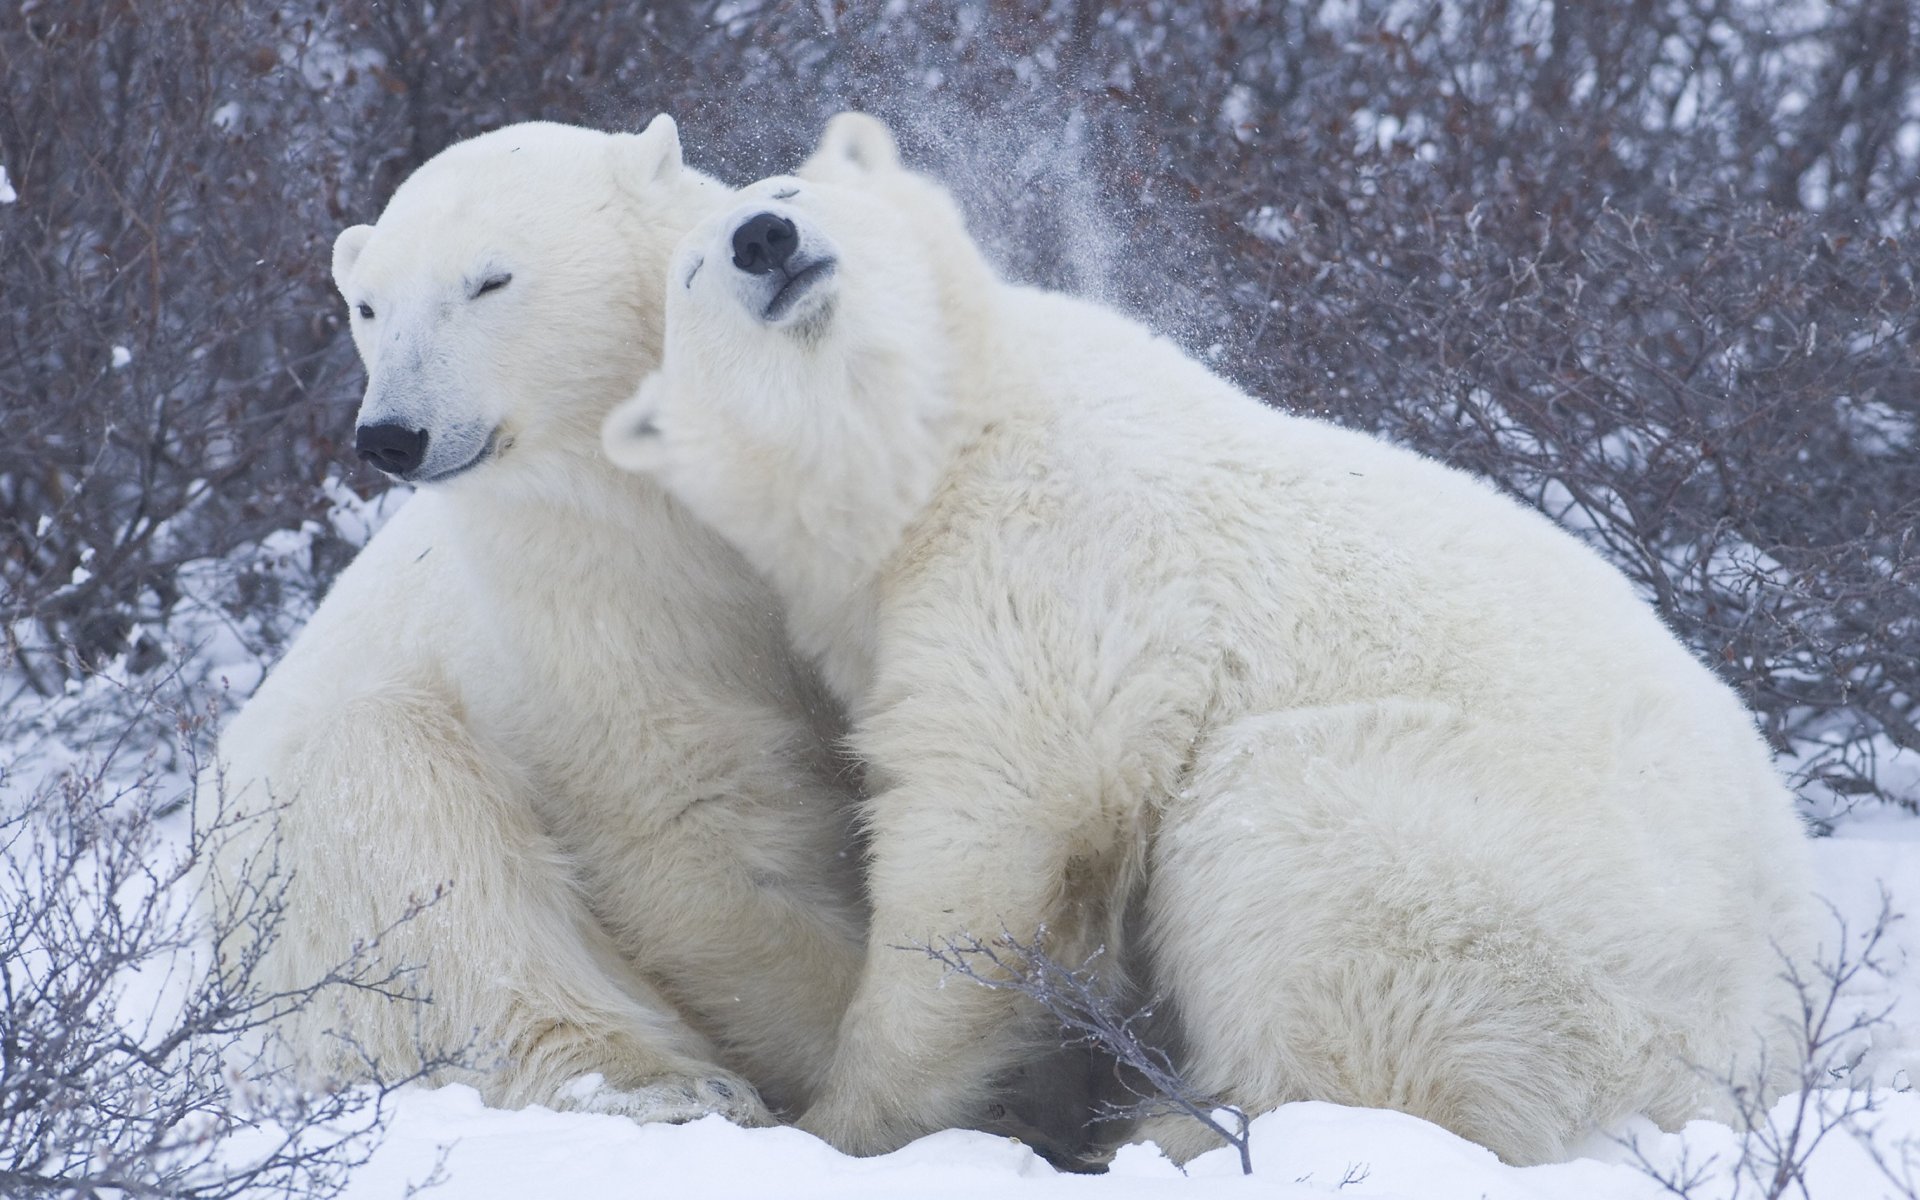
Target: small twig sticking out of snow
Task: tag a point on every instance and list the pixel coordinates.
(1089, 1015)
(1355, 1173)
(435, 1176)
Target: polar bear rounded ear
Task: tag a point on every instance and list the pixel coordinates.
(630, 435)
(346, 252)
(854, 143)
(648, 158)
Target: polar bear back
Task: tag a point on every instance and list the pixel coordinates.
(1289, 529)
(1266, 562)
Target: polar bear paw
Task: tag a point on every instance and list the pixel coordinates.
(671, 1098)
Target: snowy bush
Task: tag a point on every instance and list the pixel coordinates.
(129, 1064)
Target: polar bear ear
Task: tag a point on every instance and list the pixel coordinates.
(854, 143)
(631, 434)
(648, 158)
(346, 252)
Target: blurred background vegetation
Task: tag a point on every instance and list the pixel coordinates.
(1648, 265)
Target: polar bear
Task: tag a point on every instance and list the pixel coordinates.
(1394, 791)
(544, 689)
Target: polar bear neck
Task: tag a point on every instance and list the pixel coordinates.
(884, 446)
(818, 491)
(606, 559)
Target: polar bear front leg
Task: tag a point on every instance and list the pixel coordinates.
(919, 1051)
(509, 972)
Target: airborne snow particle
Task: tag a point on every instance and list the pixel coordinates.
(7, 194)
(121, 357)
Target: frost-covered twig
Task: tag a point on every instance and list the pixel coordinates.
(1090, 1015)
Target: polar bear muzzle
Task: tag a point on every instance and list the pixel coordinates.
(784, 265)
(764, 243)
(391, 446)
(400, 450)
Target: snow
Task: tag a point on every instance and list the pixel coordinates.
(121, 357)
(7, 194)
(1299, 1151)
(1303, 1150)
(1270, 224)
(1237, 112)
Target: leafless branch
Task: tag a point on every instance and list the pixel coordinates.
(1089, 1014)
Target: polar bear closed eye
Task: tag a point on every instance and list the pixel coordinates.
(1350, 758)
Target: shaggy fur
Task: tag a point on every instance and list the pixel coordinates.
(1419, 805)
(545, 684)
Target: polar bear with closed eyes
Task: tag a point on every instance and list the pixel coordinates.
(543, 692)
(1396, 792)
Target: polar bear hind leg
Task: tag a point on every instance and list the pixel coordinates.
(1327, 926)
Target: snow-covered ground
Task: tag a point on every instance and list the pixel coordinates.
(470, 1152)
(1302, 1150)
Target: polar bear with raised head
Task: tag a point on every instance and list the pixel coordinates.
(544, 689)
(1416, 803)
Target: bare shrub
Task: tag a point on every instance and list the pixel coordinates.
(129, 1062)
(170, 379)
(1828, 1100)
(1641, 273)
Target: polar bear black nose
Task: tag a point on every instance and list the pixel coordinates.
(393, 448)
(764, 242)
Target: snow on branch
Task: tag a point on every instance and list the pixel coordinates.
(1090, 1015)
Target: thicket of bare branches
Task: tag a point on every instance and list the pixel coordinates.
(164, 364)
(1639, 264)
(129, 1066)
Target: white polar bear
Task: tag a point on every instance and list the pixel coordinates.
(1417, 804)
(545, 684)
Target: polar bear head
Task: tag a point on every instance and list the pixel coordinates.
(509, 295)
(823, 335)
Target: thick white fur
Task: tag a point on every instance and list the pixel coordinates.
(1422, 807)
(545, 685)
